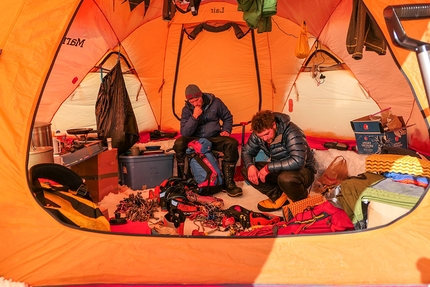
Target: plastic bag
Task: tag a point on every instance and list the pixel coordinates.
(332, 176)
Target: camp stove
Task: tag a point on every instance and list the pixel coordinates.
(82, 135)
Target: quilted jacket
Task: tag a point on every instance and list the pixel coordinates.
(208, 124)
(288, 151)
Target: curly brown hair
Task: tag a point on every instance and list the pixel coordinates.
(262, 120)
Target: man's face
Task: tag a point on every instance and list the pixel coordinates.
(196, 102)
(268, 135)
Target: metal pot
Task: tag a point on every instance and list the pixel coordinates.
(42, 135)
(42, 154)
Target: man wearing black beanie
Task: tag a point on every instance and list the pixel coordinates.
(201, 118)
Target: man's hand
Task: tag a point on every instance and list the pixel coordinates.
(224, 134)
(253, 174)
(263, 172)
(197, 112)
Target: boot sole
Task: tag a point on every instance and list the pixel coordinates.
(262, 208)
(234, 195)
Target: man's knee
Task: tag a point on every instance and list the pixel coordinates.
(230, 150)
(231, 143)
(289, 177)
(293, 185)
(180, 145)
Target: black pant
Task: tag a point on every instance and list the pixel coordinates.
(227, 145)
(294, 183)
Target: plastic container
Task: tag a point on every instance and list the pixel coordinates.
(57, 145)
(109, 143)
(43, 154)
(145, 171)
(41, 135)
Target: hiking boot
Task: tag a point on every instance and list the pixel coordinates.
(181, 170)
(233, 190)
(269, 205)
(180, 166)
(230, 186)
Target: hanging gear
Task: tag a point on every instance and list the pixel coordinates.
(114, 113)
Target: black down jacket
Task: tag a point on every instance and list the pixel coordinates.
(288, 151)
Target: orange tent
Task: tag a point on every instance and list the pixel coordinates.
(49, 49)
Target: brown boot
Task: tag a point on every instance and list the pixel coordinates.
(268, 205)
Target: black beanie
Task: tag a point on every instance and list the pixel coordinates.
(192, 91)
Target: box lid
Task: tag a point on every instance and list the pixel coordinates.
(367, 125)
(154, 156)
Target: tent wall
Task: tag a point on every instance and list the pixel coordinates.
(40, 251)
(419, 113)
(89, 37)
(339, 94)
(226, 66)
(407, 62)
(81, 103)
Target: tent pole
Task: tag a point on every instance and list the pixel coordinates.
(257, 70)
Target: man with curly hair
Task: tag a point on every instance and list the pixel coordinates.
(291, 168)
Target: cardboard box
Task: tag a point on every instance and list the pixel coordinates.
(100, 174)
(371, 136)
(145, 171)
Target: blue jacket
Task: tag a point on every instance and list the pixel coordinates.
(288, 151)
(208, 124)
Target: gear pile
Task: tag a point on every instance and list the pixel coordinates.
(180, 200)
(137, 208)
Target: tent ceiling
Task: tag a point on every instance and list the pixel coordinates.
(257, 70)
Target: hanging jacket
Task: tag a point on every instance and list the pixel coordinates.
(115, 117)
(363, 32)
(257, 13)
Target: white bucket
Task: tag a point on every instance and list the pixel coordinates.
(40, 154)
